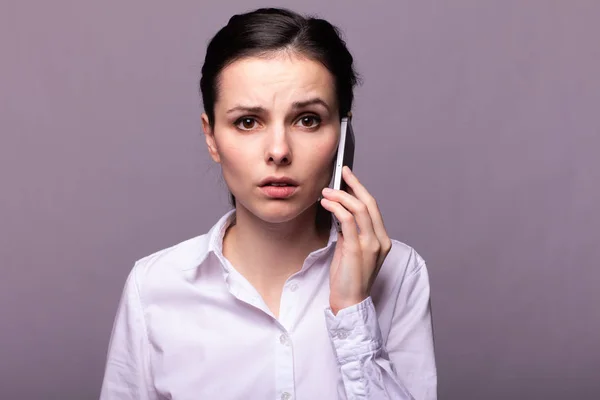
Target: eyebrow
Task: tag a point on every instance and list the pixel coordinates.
(253, 110)
(295, 105)
(315, 101)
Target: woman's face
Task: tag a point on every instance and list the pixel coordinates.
(275, 117)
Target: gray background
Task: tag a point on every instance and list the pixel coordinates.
(478, 132)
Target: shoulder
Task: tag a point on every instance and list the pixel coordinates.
(402, 264)
(403, 259)
(185, 255)
(169, 263)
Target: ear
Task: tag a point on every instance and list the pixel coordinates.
(210, 139)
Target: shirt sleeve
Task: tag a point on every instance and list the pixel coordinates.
(127, 373)
(401, 369)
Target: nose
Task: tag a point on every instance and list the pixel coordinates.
(278, 149)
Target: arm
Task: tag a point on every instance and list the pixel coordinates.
(127, 374)
(403, 368)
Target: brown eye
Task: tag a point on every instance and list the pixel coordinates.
(309, 121)
(246, 123)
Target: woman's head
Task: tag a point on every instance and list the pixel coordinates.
(274, 86)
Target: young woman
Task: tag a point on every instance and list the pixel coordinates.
(273, 302)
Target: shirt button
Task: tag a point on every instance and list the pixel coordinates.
(293, 287)
(342, 334)
(283, 339)
(286, 396)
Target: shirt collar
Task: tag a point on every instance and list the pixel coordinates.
(217, 233)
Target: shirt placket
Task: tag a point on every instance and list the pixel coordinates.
(284, 346)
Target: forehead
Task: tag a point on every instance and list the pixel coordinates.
(275, 80)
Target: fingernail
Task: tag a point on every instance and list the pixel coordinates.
(327, 190)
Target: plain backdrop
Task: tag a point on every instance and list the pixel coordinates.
(477, 131)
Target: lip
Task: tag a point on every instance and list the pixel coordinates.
(281, 179)
(278, 192)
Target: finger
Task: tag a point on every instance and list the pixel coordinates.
(357, 208)
(349, 228)
(364, 196)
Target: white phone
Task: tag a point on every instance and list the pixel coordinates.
(345, 156)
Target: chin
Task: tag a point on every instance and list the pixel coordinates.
(280, 211)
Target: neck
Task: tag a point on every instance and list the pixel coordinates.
(267, 254)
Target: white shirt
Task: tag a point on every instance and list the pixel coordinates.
(189, 326)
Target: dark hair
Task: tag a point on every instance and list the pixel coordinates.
(267, 30)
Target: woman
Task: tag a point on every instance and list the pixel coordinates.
(273, 303)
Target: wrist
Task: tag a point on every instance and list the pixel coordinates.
(336, 305)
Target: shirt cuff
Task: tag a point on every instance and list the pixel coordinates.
(354, 331)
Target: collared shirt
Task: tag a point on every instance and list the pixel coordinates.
(189, 326)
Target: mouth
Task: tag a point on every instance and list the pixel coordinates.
(278, 187)
(278, 182)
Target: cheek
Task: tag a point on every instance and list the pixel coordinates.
(322, 159)
(327, 150)
(234, 160)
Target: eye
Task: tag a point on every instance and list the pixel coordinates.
(309, 121)
(246, 123)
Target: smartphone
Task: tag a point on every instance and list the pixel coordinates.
(345, 156)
